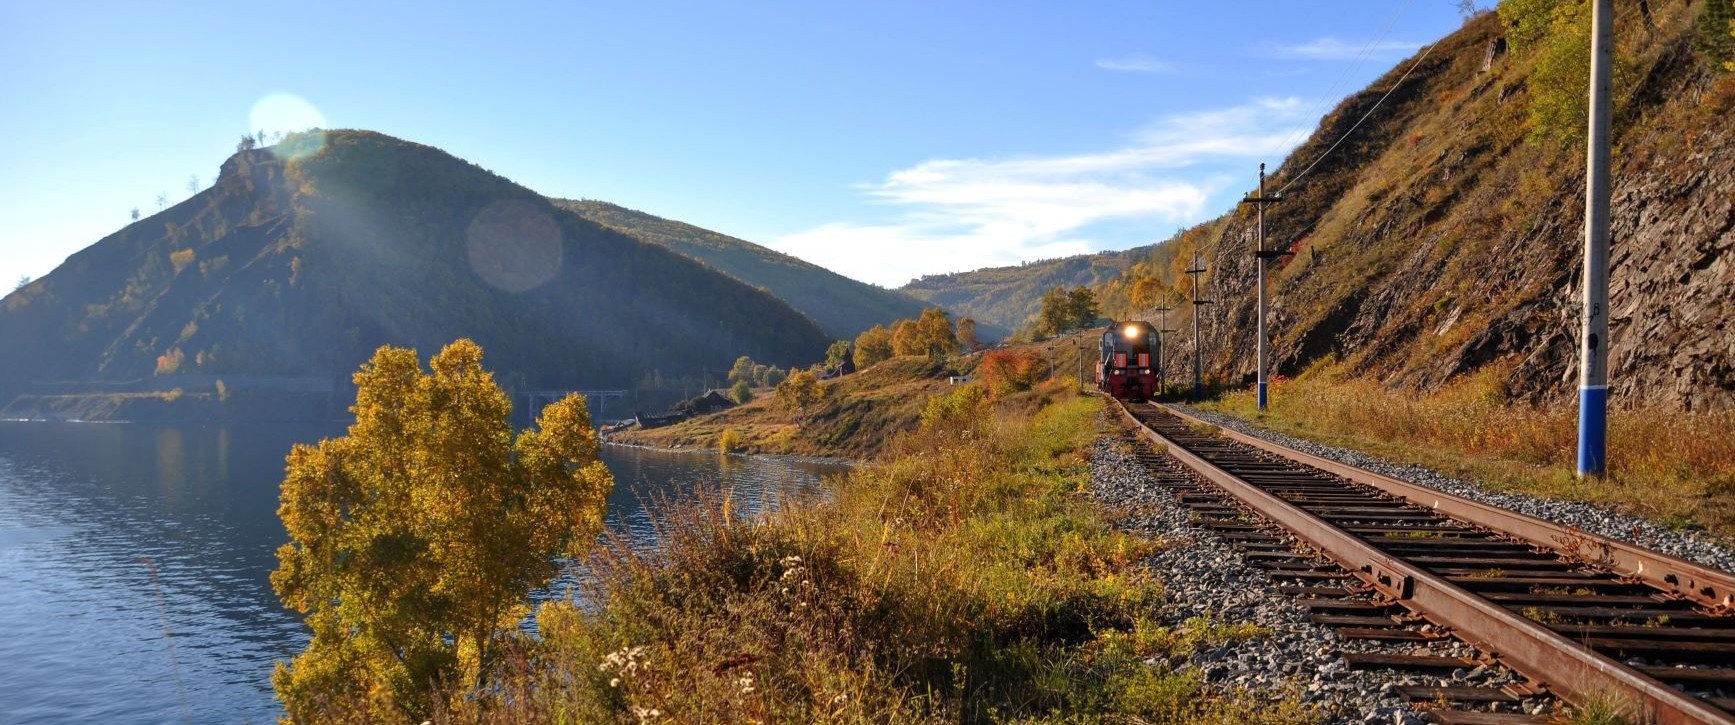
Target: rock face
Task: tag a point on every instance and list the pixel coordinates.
(1444, 237)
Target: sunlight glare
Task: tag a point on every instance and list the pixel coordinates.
(514, 246)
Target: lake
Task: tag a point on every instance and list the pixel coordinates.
(84, 506)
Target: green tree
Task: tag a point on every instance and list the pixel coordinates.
(1055, 312)
(774, 376)
(1081, 308)
(1715, 34)
(872, 346)
(743, 369)
(837, 353)
(416, 538)
(741, 392)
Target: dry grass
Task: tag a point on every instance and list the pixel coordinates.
(962, 578)
(1677, 469)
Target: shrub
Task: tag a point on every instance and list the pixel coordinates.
(741, 392)
(1006, 372)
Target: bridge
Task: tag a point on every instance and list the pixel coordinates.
(536, 400)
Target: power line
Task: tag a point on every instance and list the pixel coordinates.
(1364, 117)
(1312, 115)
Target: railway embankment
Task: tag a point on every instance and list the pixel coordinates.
(1669, 470)
(1597, 517)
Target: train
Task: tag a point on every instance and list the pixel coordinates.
(1126, 367)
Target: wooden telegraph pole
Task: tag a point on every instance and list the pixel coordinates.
(1593, 338)
(1198, 377)
(1162, 345)
(1263, 254)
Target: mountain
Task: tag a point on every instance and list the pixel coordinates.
(1444, 235)
(304, 257)
(1008, 296)
(842, 306)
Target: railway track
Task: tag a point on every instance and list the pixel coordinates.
(1578, 616)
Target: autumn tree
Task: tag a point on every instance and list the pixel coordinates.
(906, 338)
(800, 391)
(836, 354)
(934, 335)
(872, 346)
(741, 392)
(416, 538)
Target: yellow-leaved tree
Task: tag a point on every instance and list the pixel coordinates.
(416, 538)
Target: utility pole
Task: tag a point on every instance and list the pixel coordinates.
(1259, 251)
(1198, 377)
(1162, 344)
(1593, 338)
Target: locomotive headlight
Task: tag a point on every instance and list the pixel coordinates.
(1130, 332)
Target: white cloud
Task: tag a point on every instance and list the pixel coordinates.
(1330, 48)
(1136, 63)
(961, 214)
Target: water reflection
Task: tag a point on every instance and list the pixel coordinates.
(82, 504)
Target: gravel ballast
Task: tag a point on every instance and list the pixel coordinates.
(1203, 576)
(1694, 546)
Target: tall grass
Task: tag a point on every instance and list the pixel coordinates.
(1673, 467)
(962, 578)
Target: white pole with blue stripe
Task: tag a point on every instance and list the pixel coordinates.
(1593, 339)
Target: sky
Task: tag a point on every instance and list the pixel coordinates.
(885, 140)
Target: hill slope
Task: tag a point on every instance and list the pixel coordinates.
(303, 258)
(1445, 235)
(1008, 296)
(842, 306)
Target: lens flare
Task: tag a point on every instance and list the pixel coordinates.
(513, 246)
(295, 118)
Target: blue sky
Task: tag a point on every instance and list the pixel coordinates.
(884, 140)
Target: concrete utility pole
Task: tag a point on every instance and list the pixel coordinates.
(1593, 338)
(1198, 377)
(1259, 251)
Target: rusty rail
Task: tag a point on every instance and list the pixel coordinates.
(1700, 584)
(1547, 658)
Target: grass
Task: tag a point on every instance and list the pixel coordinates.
(1674, 468)
(963, 577)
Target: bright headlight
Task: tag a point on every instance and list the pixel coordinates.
(1130, 332)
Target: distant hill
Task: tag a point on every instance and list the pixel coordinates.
(1009, 296)
(305, 257)
(842, 306)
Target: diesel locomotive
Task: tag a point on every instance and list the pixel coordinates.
(1127, 365)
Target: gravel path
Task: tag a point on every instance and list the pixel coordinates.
(1695, 546)
(1204, 577)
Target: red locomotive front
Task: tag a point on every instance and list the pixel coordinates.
(1127, 366)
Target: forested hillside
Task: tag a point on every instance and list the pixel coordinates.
(1007, 297)
(305, 257)
(842, 306)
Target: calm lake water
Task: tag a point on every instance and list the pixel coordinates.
(82, 505)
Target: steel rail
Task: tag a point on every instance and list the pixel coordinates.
(1699, 584)
(1576, 673)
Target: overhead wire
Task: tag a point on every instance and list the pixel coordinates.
(1363, 119)
(1313, 112)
